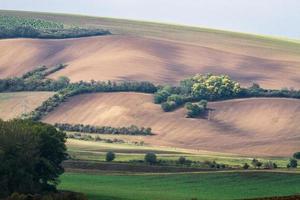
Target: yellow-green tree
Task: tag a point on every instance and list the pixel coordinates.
(214, 87)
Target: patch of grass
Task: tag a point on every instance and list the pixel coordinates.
(95, 151)
(182, 186)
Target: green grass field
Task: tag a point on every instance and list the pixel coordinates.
(95, 151)
(182, 186)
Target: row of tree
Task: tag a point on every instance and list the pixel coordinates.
(14, 27)
(212, 87)
(131, 130)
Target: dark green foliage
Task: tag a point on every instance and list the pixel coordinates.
(196, 109)
(150, 158)
(269, 165)
(131, 130)
(35, 80)
(169, 106)
(48, 196)
(213, 88)
(293, 163)
(181, 160)
(14, 27)
(110, 156)
(31, 154)
(246, 166)
(296, 155)
(256, 163)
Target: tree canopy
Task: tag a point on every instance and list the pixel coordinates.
(31, 155)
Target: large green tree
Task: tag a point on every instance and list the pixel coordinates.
(31, 155)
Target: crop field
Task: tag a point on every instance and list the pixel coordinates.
(252, 127)
(142, 51)
(17, 103)
(229, 185)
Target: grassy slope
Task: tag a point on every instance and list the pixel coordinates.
(15, 104)
(95, 151)
(182, 186)
(250, 126)
(143, 51)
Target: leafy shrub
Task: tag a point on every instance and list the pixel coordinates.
(168, 106)
(181, 160)
(110, 156)
(296, 155)
(150, 158)
(196, 109)
(246, 166)
(293, 163)
(256, 163)
(269, 165)
(214, 87)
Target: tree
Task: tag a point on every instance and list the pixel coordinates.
(293, 163)
(181, 160)
(270, 165)
(246, 166)
(195, 109)
(296, 155)
(31, 155)
(110, 156)
(214, 87)
(256, 164)
(150, 158)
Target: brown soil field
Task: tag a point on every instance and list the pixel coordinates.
(15, 104)
(145, 59)
(254, 127)
(160, 53)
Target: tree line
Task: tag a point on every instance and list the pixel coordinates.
(211, 87)
(14, 27)
(131, 130)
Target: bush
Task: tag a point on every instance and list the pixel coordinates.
(256, 163)
(110, 156)
(168, 106)
(214, 87)
(270, 165)
(181, 160)
(161, 96)
(150, 158)
(296, 155)
(293, 163)
(246, 166)
(195, 109)
(178, 99)
(31, 156)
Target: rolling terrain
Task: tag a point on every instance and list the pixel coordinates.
(266, 127)
(15, 104)
(142, 51)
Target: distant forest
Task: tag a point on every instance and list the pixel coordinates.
(18, 27)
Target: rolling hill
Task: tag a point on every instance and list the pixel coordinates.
(143, 51)
(267, 127)
(15, 104)
(165, 54)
